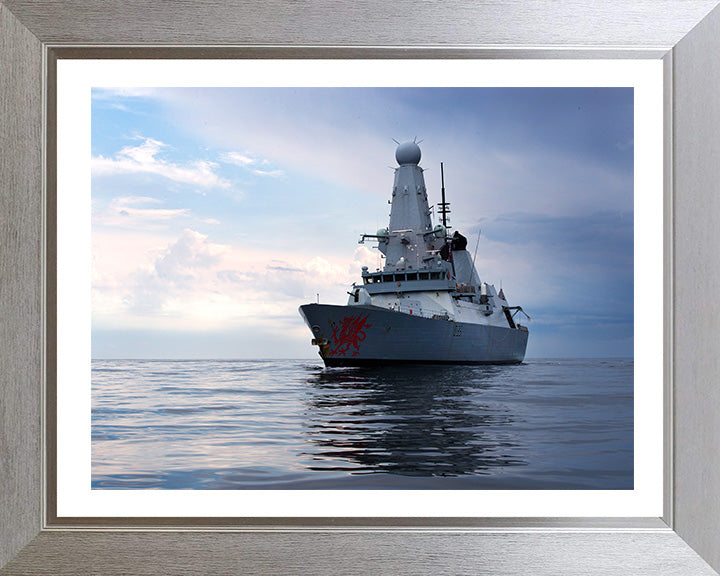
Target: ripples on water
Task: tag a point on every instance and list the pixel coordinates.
(544, 424)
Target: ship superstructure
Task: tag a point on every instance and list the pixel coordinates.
(427, 304)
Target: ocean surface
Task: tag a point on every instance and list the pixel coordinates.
(289, 424)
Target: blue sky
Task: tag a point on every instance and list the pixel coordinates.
(217, 212)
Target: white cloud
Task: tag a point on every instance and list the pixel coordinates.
(271, 173)
(237, 159)
(129, 200)
(154, 213)
(364, 256)
(143, 159)
(129, 212)
(126, 92)
(302, 279)
(246, 162)
(191, 251)
(177, 270)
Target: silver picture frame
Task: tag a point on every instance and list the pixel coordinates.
(685, 34)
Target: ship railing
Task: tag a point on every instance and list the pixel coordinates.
(435, 313)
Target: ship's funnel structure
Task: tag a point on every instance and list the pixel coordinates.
(410, 236)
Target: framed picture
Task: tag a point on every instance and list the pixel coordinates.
(682, 533)
(212, 220)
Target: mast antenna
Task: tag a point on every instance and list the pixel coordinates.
(474, 256)
(443, 206)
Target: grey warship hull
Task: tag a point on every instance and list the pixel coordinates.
(370, 335)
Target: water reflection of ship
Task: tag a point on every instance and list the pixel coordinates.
(409, 421)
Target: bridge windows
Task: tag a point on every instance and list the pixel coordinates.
(379, 277)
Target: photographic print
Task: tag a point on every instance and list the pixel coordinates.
(371, 288)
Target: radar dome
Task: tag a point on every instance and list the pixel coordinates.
(407, 153)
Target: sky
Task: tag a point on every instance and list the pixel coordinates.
(217, 212)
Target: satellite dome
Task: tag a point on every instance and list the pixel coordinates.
(407, 153)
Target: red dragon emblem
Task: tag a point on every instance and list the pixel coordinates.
(350, 332)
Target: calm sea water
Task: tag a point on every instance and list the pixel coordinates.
(286, 424)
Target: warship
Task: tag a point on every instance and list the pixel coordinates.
(427, 305)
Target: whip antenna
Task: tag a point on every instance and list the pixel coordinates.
(444, 210)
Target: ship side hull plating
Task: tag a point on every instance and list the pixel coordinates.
(370, 335)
